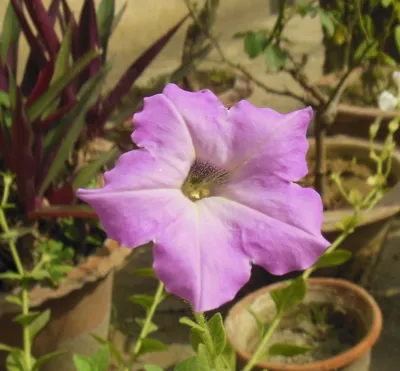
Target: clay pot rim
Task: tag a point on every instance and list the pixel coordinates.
(97, 266)
(335, 362)
(331, 218)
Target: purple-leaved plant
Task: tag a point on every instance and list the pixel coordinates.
(214, 189)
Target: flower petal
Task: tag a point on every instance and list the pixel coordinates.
(160, 129)
(277, 246)
(200, 258)
(267, 142)
(207, 121)
(135, 217)
(257, 139)
(287, 202)
(138, 169)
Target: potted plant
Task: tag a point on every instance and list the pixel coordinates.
(356, 26)
(50, 125)
(327, 155)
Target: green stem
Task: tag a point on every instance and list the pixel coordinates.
(201, 321)
(147, 322)
(18, 263)
(261, 347)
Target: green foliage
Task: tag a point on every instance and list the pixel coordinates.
(287, 350)
(285, 298)
(334, 258)
(99, 361)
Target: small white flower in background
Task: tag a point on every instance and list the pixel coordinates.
(396, 79)
(387, 101)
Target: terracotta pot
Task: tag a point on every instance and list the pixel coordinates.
(355, 120)
(80, 306)
(368, 238)
(241, 326)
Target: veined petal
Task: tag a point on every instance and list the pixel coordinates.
(267, 142)
(200, 258)
(139, 169)
(275, 245)
(135, 217)
(160, 129)
(287, 202)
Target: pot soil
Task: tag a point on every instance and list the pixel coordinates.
(80, 306)
(353, 118)
(338, 319)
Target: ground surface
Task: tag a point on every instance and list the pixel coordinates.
(306, 36)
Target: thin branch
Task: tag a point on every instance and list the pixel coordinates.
(239, 67)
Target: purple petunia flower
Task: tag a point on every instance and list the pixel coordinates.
(213, 189)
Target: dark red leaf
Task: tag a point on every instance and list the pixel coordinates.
(3, 78)
(89, 39)
(132, 73)
(23, 162)
(42, 83)
(69, 18)
(48, 122)
(44, 25)
(38, 154)
(34, 43)
(54, 10)
(61, 196)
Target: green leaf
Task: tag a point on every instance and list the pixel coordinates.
(13, 299)
(327, 22)
(105, 17)
(151, 345)
(386, 3)
(397, 37)
(188, 322)
(38, 275)
(288, 350)
(145, 301)
(87, 173)
(145, 272)
(113, 349)
(119, 15)
(73, 123)
(275, 57)
(196, 338)
(100, 360)
(26, 319)
(82, 363)
(46, 358)
(61, 65)
(229, 355)
(6, 348)
(333, 258)
(387, 59)
(361, 49)
(152, 368)
(14, 361)
(39, 323)
(4, 99)
(203, 361)
(37, 108)
(217, 331)
(10, 276)
(150, 329)
(288, 296)
(254, 43)
(10, 32)
(189, 364)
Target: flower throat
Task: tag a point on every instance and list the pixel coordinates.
(201, 179)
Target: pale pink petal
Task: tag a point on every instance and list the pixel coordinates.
(135, 217)
(277, 246)
(284, 201)
(160, 129)
(139, 169)
(267, 142)
(201, 258)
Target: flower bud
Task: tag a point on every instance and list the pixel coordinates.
(387, 101)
